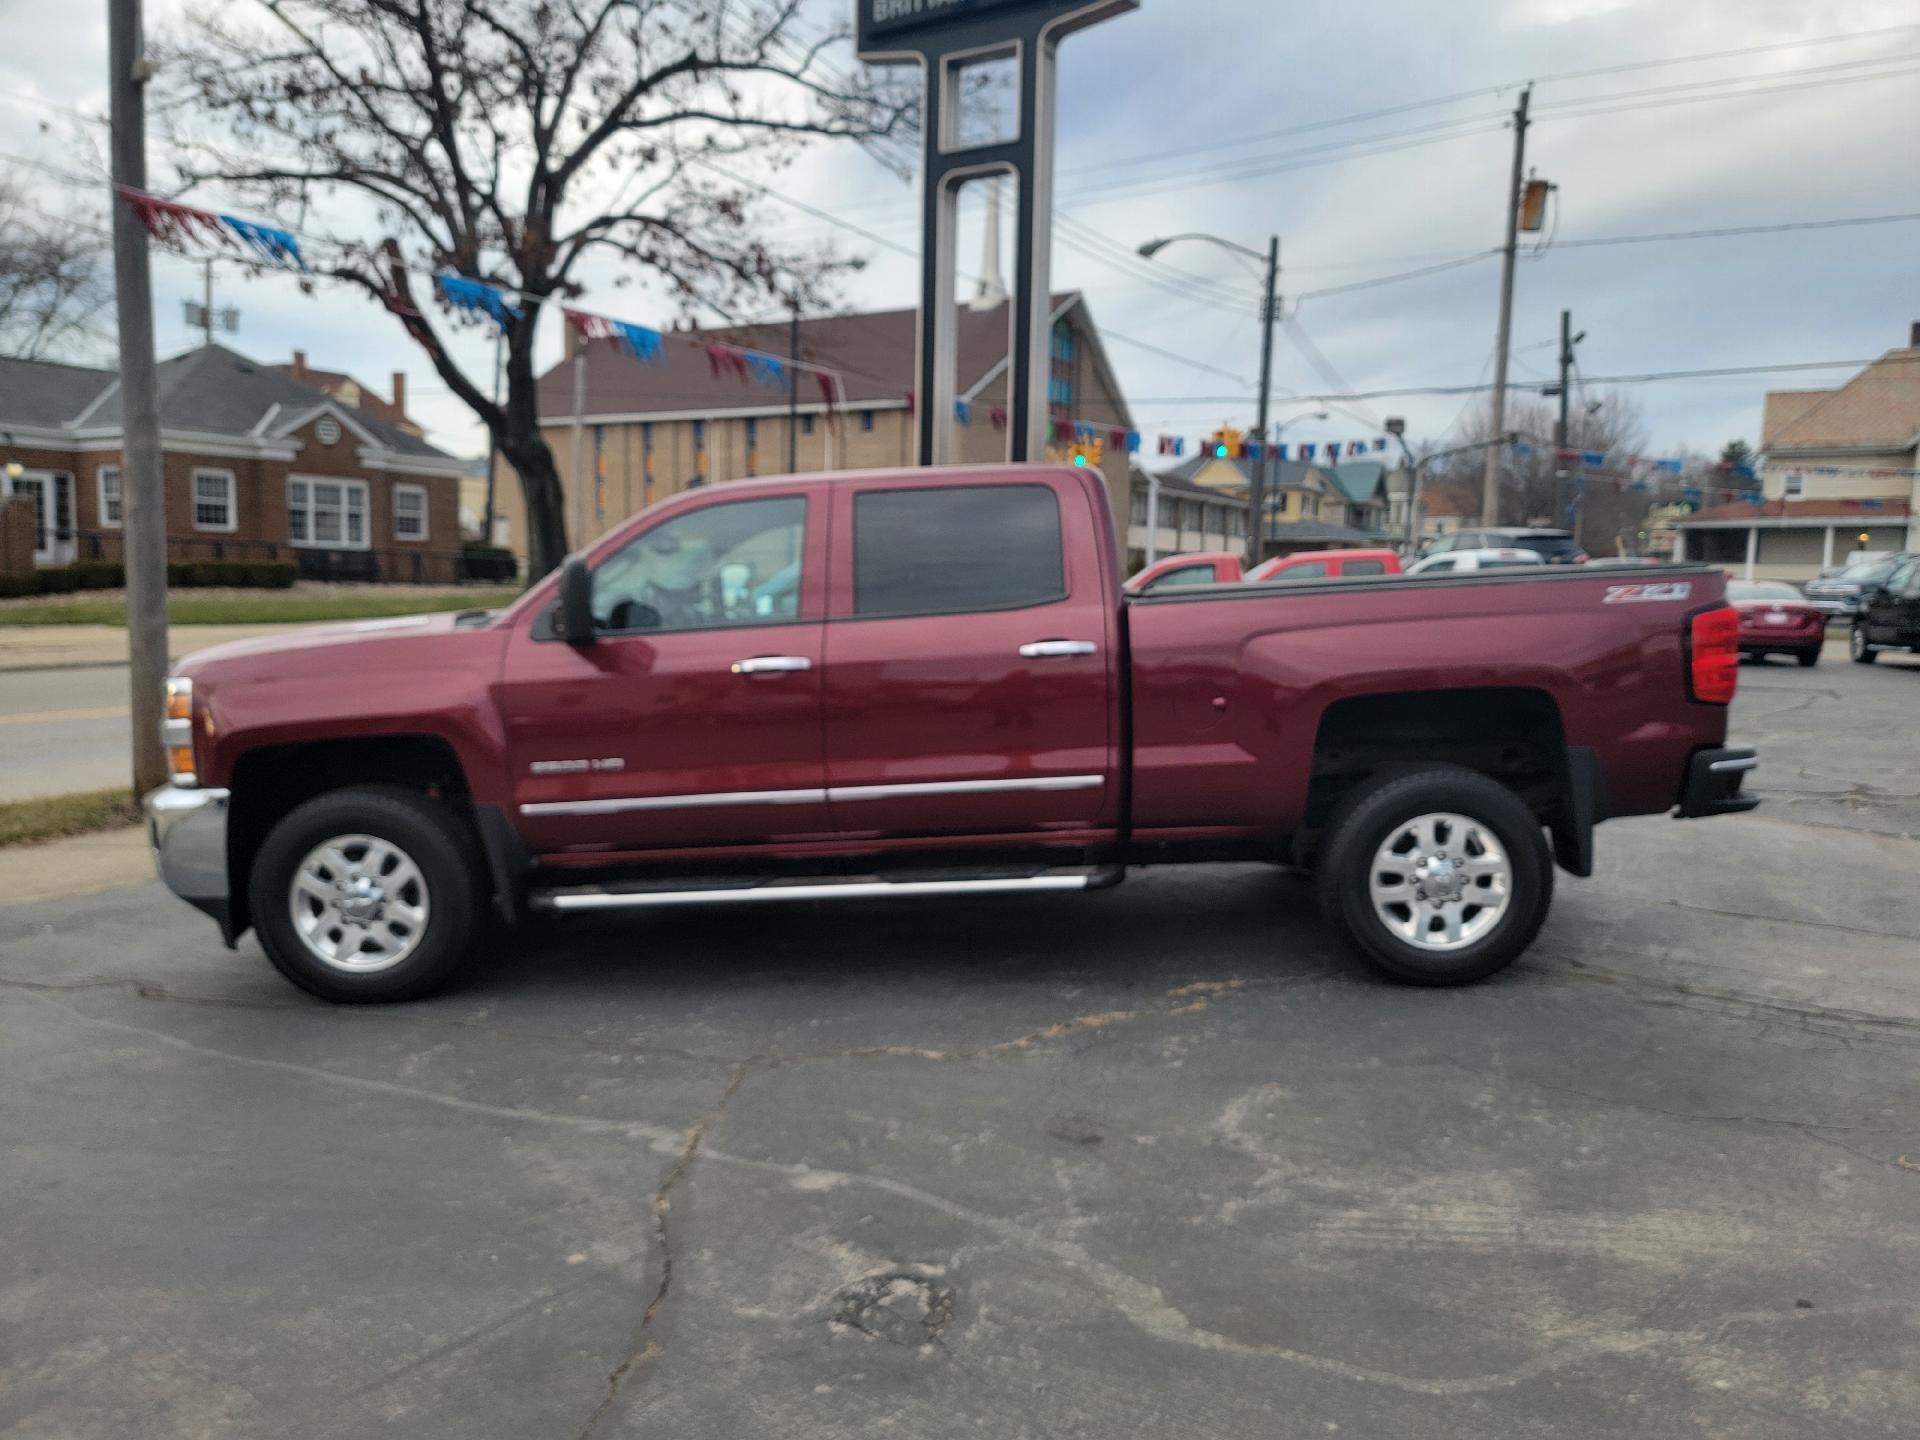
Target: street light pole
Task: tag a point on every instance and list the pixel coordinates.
(1270, 307)
(1269, 317)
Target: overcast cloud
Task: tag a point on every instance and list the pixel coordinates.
(1201, 77)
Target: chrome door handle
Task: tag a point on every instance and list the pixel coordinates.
(1054, 649)
(771, 664)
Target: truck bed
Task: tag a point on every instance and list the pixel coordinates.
(1240, 692)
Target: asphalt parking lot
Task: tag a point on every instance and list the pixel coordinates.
(1159, 1161)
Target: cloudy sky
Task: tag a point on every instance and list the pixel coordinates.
(1237, 117)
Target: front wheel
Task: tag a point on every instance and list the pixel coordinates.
(366, 894)
(1439, 877)
(1857, 646)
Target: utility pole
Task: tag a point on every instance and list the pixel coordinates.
(206, 296)
(1490, 482)
(793, 390)
(1269, 317)
(144, 501)
(1560, 441)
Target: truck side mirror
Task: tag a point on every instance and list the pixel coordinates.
(576, 602)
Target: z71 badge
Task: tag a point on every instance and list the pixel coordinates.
(1662, 590)
(576, 767)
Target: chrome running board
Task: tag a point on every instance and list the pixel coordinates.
(644, 895)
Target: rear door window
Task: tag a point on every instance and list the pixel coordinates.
(1438, 566)
(1310, 570)
(956, 549)
(1364, 567)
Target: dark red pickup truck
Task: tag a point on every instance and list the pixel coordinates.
(898, 684)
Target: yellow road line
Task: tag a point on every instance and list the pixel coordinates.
(56, 717)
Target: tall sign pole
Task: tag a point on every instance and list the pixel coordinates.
(948, 39)
(144, 501)
(1490, 483)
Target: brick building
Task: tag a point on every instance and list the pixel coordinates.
(257, 465)
(652, 430)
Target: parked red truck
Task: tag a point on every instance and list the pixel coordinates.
(904, 684)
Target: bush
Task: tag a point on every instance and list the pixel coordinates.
(236, 574)
(14, 586)
(98, 575)
(487, 562)
(60, 581)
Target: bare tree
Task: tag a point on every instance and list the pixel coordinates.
(508, 140)
(1538, 488)
(53, 278)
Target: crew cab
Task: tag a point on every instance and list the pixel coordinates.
(1889, 612)
(927, 683)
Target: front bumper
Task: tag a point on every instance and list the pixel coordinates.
(188, 831)
(1713, 784)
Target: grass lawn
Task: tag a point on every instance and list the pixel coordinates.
(267, 607)
(24, 821)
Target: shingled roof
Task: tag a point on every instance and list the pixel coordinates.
(208, 391)
(871, 354)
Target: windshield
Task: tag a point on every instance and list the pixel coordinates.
(1761, 590)
(1866, 574)
(1548, 545)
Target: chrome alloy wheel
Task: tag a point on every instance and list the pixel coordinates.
(1440, 881)
(359, 903)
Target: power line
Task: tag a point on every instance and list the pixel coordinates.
(1661, 104)
(1454, 264)
(1645, 378)
(1834, 224)
(1749, 78)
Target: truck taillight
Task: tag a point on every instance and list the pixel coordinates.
(1715, 650)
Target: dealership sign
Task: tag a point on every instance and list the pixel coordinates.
(966, 48)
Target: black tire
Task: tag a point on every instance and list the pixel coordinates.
(1809, 659)
(440, 845)
(1857, 646)
(1363, 821)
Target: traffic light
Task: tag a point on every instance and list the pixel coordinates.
(1227, 444)
(1088, 452)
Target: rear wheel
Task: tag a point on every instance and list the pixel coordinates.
(366, 894)
(1809, 658)
(1857, 646)
(1439, 877)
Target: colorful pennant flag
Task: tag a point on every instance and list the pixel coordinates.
(1132, 442)
(637, 340)
(1306, 450)
(962, 412)
(767, 369)
(475, 297)
(275, 247)
(998, 417)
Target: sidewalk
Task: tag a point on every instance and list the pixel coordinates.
(83, 865)
(58, 647)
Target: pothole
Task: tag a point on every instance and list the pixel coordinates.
(896, 1307)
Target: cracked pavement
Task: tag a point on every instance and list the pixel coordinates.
(1154, 1161)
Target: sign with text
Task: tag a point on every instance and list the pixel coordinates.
(896, 20)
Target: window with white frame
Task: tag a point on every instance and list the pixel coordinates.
(109, 480)
(213, 507)
(409, 512)
(1794, 484)
(327, 514)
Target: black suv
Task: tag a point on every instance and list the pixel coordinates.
(1556, 547)
(1889, 614)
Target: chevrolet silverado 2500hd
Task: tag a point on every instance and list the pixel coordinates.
(928, 683)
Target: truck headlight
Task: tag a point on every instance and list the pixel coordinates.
(176, 730)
